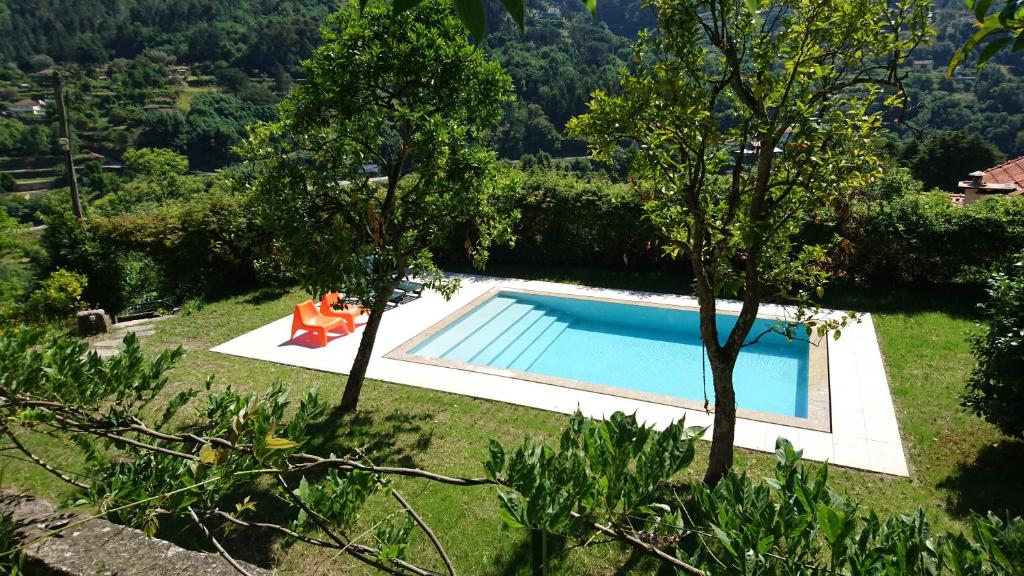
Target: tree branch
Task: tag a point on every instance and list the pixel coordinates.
(213, 540)
(24, 450)
(426, 529)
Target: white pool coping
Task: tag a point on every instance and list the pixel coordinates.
(865, 434)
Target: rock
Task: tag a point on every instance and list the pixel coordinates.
(92, 322)
(101, 548)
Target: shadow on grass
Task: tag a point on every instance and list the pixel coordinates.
(265, 295)
(959, 300)
(990, 482)
(388, 437)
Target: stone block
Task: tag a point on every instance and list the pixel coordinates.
(92, 322)
(101, 548)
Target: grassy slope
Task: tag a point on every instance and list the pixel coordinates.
(958, 462)
(185, 97)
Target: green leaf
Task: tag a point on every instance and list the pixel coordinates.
(399, 6)
(830, 523)
(724, 539)
(591, 6)
(516, 11)
(274, 443)
(471, 12)
(980, 8)
(992, 48)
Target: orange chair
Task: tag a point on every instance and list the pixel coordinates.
(307, 318)
(350, 312)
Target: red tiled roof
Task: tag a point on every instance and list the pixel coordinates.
(26, 102)
(1011, 172)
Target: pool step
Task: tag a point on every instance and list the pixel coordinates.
(488, 354)
(541, 343)
(488, 332)
(516, 348)
(453, 335)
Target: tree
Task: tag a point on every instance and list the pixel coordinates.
(945, 157)
(752, 119)
(405, 92)
(995, 390)
(996, 31)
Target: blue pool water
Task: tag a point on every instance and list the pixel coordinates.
(640, 348)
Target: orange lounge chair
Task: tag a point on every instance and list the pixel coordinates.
(349, 313)
(307, 318)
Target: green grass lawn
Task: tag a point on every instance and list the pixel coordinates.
(959, 464)
(185, 97)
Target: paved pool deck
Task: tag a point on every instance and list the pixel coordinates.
(863, 434)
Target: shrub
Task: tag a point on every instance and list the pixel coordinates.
(198, 243)
(58, 296)
(995, 389)
(566, 219)
(180, 248)
(72, 245)
(925, 237)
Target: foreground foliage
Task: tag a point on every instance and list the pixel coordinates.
(219, 459)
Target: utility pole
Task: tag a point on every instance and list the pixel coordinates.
(65, 144)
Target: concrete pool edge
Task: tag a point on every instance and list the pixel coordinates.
(818, 396)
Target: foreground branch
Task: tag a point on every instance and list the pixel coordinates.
(24, 450)
(426, 529)
(644, 547)
(213, 540)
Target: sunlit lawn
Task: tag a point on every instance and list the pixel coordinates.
(958, 463)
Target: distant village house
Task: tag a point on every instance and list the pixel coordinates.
(29, 106)
(1006, 179)
(552, 13)
(923, 65)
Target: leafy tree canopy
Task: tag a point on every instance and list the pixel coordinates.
(750, 120)
(409, 94)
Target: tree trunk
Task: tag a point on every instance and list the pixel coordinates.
(539, 549)
(720, 459)
(357, 374)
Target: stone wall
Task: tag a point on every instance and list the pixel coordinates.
(101, 548)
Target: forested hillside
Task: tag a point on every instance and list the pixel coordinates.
(258, 35)
(190, 75)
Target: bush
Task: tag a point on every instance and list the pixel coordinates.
(566, 219)
(72, 245)
(198, 243)
(58, 296)
(925, 237)
(180, 248)
(995, 390)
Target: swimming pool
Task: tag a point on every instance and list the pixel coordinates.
(637, 350)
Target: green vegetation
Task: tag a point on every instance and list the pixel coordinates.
(958, 463)
(908, 235)
(742, 137)
(413, 97)
(1000, 30)
(996, 388)
(761, 165)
